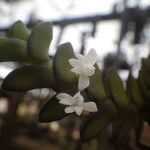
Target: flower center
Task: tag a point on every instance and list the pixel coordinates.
(78, 100)
(88, 70)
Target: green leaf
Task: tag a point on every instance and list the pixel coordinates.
(116, 89)
(98, 121)
(52, 111)
(146, 64)
(138, 127)
(28, 78)
(123, 124)
(13, 50)
(61, 64)
(19, 31)
(145, 92)
(39, 42)
(133, 91)
(96, 87)
(144, 112)
(146, 77)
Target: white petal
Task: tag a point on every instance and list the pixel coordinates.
(78, 110)
(69, 109)
(78, 98)
(74, 62)
(66, 101)
(91, 57)
(76, 70)
(52, 92)
(90, 107)
(83, 82)
(80, 57)
(63, 96)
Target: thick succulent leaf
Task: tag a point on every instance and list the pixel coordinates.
(39, 41)
(105, 82)
(128, 89)
(28, 78)
(146, 64)
(122, 126)
(19, 31)
(61, 64)
(116, 89)
(145, 92)
(52, 111)
(98, 121)
(144, 112)
(133, 91)
(13, 50)
(146, 77)
(96, 87)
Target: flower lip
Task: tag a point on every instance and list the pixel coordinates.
(78, 99)
(88, 70)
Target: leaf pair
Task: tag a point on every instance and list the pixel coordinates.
(115, 88)
(22, 46)
(42, 76)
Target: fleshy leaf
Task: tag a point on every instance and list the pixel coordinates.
(146, 77)
(96, 87)
(133, 91)
(19, 31)
(116, 89)
(123, 124)
(28, 78)
(13, 50)
(52, 111)
(146, 64)
(97, 122)
(145, 92)
(61, 64)
(39, 42)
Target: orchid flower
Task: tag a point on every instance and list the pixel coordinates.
(76, 103)
(84, 66)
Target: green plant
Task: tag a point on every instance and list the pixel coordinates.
(124, 108)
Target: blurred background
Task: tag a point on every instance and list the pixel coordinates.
(119, 30)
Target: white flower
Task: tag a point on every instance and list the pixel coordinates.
(84, 66)
(76, 103)
(43, 93)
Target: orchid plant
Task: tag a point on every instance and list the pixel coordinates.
(68, 73)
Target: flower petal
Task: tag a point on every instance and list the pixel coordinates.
(78, 98)
(90, 107)
(74, 62)
(52, 92)
(83, 82)
(76, 70)
(66, 101)
(63, 96)
(91, 57)
(79, 57)
(78, 110)
(69, 109)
